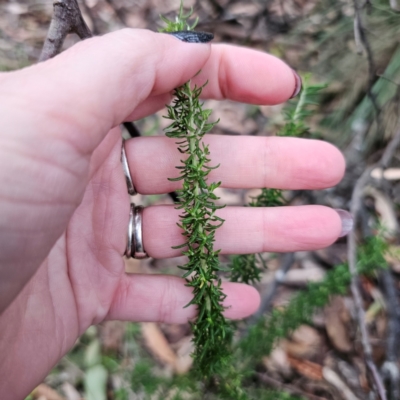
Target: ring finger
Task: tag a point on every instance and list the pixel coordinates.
(248, 229)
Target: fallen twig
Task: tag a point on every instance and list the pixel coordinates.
(390, 370)
(352, 377)
(356, 200)
(334, 379)
(276, 384)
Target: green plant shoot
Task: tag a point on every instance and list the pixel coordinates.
(198, 221)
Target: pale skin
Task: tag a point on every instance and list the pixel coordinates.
(64, 206)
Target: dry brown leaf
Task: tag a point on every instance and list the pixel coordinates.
(333, 255)
(303, 276)
(373, 311)
(278, 362)
(174, 333)
(70, 392)
(346, 370)
(381, 324)
(291, 8)
(305, 341)
(251, 194)
(44, 392)
(16, 8)
(334, 379)
(227, 197)
(306, 368)
(185, 348)
(309, 263)
(384, 206)
(274, 113)
(167, 6)
(231, 116)
(157, 344)
(245, 9)
(91, 3)
(362, 371)
(337, 318)
(393, 258)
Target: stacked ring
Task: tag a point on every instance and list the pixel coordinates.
(134, 246)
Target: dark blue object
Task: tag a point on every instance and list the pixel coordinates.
(192, 36)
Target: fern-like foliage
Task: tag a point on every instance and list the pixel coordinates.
(245, 269)
(180, 23)
(264, 335)
(297, 112)
(282, 322)
(371, 256)
(198, 221)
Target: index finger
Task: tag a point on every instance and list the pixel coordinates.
(238, 74)
(97, 84)
(247, 75)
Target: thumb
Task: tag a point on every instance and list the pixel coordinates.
(98, 83)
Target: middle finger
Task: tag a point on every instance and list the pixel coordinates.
(245, 162)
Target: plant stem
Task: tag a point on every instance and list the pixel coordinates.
(212, 333)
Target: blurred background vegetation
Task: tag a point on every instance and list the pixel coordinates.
(306, 340)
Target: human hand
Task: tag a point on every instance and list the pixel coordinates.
(64, 207)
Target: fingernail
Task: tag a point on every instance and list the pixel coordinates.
(298, 84)
(192, 36)
(347, 221)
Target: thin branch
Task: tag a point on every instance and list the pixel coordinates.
(262, 261)
(390, 370)
(286, 263)
(336, 381)
(276, 384)
(352, 260)
(390, 150)
(356, 199)
(67, 18)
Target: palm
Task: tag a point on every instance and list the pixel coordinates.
(96, 239)
(75, 285)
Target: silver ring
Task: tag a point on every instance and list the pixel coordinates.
(131, 189)
(134, 247)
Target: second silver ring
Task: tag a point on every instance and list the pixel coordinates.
(134, 247)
